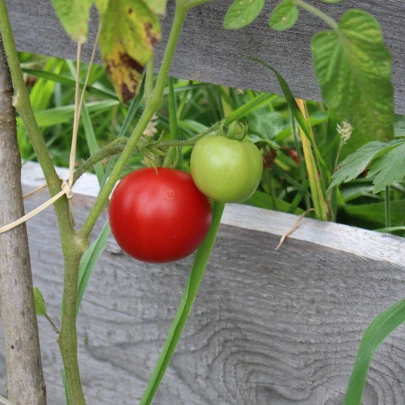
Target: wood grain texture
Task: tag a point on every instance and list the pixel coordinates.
(25, 381)
(208, 53)
(268, 327)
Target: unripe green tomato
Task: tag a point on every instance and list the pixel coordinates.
(226, 170)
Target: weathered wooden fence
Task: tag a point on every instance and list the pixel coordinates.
(208, 53)
(268, 327)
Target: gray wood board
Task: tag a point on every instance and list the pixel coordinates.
(208, 53)
(268, 327)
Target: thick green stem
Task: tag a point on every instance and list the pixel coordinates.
(68, 336)
(315, 11)
(114, 148)
(151, 107)
(190, 293)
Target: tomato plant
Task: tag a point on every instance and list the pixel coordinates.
(159, 216)
(226, 170)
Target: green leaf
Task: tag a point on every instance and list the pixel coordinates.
(129, 33)
(101, 5)
(194, 3)
(399, 125)
(357, 162)
(388, 169)
(156, 6)
(74, 17)
(353, 68)
(262, 200)
(89, 261)
(40, 307)
(379, 329)
(190, 293)
(242, 13)
(284, 16)
(374, 213)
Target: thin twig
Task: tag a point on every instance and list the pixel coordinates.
(296, 225)
(52, 324)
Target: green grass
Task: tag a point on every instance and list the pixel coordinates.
(197, 106)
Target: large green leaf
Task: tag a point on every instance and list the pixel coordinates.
(74, 16)
(242, 13)
(129, 33)
(356, 163)
(389, 168)
(379, 329)
(375, 213)
(353, 68)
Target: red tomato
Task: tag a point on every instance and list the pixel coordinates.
(159, 217)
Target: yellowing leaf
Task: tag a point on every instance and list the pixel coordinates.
(74, 17)
(129, 33)
(156, 6)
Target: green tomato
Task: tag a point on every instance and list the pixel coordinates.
(226, 170)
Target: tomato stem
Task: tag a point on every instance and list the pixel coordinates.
(149, 78)
(315, 11)
(183, 312)
(151, 107)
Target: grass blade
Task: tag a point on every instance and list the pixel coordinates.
(61, 115)
(317, 192)
(65, 387)
(91, 141)
(379, 329)
(247, 108)
(89, 261)
(292, 104)
(190, 293)
(57, 78)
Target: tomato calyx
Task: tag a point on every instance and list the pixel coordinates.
(236, 130)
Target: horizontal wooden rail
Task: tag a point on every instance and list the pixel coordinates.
(268, 327)
(208, 53)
